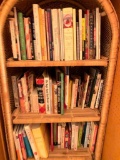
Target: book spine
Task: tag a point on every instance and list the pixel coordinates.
(55, 134)
(55, 109)
(49, 21)
(58, 79)
(80, 33)
(91, 24)
(59, 135)
(60, 16)
(76, 137)
(78, 41)
(38, 55)
(15, 91)
(51, 137)
(17, 33)
(43, 33)
(17, 143)
(66, 143)
(34, 101)
(62, 92)
(27, 145)
(41, 96)
(80, 129)
(28, 37)
(99, 94)
(73, 136)
(13, 39)
(21, 96)
(56, 34)
(22, 36)
(97, 33)
(74, 33)
(67, 90)
(32, 141)
(25, 94)
(86, 134)
(47, 95)
(68, 32)
(23, 149)
(63, 135)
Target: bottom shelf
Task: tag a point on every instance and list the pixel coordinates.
(66, 154)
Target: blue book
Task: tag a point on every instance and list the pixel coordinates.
(27, 145)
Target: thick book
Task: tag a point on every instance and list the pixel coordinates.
(68, 33)
(28, 38)
(38, 54)
(13, 39)
(43, 33)
(22, 36)
(55, 134)
(41, 94)
(34, 101)
(17, 33)
(40, 135)
(31, 139)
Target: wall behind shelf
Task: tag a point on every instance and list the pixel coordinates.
(111, 149)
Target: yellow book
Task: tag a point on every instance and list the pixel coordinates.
(40, 135)
(83, 30)
(43, 33)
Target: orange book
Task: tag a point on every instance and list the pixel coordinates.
(43, 33)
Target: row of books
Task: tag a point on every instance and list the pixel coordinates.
(36, 140)
(56, 34)
(31, 140)
(54, 92)
(74, 135)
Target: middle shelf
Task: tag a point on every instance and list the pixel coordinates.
(70, 115)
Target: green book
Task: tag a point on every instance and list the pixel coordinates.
(22, 36)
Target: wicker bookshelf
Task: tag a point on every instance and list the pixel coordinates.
(107, 62)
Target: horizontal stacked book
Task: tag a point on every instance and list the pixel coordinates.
(56, 34)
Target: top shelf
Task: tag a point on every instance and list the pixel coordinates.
(35, 63)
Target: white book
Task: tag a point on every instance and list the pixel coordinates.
(86, 134)
(17, 142)
(34, 101)
(13, 38)
(17, 33)
(74, 32)
(99, 36)
(76, 137)
(38, 55)
(80, 32)
(59, 135)
(56, 34)
(62, 51)
(68, 33)
(47, 93)
(63, 135)
(73, 136)
(32, 141)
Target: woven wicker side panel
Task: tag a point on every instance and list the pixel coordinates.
(112, 137)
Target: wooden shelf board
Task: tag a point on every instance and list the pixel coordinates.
(59, 154)
(70, 115)
(35, 63)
